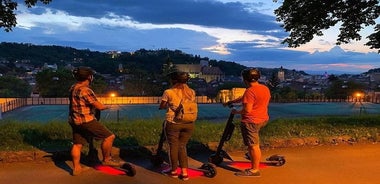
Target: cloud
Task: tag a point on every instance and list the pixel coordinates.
(242, 31)
(59, 19)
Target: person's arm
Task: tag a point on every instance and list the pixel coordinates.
(99, 105)
(247, 108)
(90, 97)
(237, 100)
(163, 105)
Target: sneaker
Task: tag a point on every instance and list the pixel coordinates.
(112, 163)
(248, 173)
(170, 173)
(184, 177)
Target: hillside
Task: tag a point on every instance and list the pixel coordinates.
(145, 61)
(140, 60)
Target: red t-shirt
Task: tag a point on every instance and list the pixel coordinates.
(259, 96)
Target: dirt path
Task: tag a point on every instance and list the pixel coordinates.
(348, 164)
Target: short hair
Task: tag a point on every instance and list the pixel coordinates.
(82, 73)
(251, 74)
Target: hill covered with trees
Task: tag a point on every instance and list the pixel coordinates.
(105, 62)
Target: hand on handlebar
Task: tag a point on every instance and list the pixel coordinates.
(229, 104)
(234, 111)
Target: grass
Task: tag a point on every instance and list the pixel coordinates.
(56, 135)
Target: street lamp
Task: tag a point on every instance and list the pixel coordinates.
(113, 95)
(358, 96)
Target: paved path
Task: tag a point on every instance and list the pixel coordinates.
(348, 164)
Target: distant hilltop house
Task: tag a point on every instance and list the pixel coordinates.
(232, 94)
(52, 67)
(202, 70)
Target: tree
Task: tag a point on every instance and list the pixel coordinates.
(8, 17)
(51, 83)
(340, 89)
(304, 19)
(12, 87)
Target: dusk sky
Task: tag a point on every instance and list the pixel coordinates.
(241, 31)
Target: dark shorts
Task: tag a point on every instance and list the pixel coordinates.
(250, 133)
(93, 129)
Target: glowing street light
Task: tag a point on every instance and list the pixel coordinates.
(112, 95)
(358, 95)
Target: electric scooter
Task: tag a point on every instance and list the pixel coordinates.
(93, 158)
(157, 159)
(217, 157)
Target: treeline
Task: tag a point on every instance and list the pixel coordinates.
(146, 69)
(144, 61)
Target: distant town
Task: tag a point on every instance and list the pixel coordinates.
(143, 73)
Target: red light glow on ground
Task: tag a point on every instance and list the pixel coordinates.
(193, 173)
(244, 165)
(109, 170)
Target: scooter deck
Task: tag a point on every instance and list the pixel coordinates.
(192, 173)
(125, 169)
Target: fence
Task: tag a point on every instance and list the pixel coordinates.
(108, 100)
(9, 104)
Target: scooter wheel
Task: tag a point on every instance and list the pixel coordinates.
(215, 159)
(156, 160)
(281, 162)
(131, 171)
(209, 170)
(279, 159)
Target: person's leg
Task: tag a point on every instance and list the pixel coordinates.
(172, 136)
(75, 155)
(250, 133)
(99, 131)
(78, 141)
(106, 147)
(185, 135)
(255, 154)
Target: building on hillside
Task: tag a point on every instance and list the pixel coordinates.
(281, 75)
(202, 70)
(226, 95)
(51, 67)
(210, 73)
(193, 69)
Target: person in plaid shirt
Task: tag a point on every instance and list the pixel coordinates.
(84, 124)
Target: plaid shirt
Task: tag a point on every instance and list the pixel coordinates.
(81, 108)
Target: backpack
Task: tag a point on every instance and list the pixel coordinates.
(187, 112)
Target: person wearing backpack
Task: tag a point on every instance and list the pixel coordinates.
(179, 101)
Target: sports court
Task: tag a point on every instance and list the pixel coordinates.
(211, 112)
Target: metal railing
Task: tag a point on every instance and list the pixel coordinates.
(9, 104)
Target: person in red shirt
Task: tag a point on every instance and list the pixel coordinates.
(85, 126)
(254, 116)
